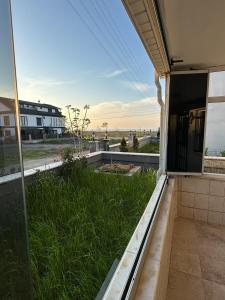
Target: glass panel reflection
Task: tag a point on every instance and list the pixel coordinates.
(14, 266)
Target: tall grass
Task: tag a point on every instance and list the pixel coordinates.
(78, 225)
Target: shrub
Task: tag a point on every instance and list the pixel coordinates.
(71, 164)
(123, 145)
(222, 153)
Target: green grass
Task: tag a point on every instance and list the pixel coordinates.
(78, 225)
(58, 141)
(39, 153)
(148, 148)
(42, 153)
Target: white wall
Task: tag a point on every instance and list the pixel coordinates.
(47, 121)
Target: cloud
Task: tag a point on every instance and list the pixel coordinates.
(142, 113)
(141, 86)
(48, 89)
(32, 82)
(115, 73)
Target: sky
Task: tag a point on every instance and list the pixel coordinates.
(81, 52)
(85, 52)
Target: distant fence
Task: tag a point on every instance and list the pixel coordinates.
(214, 164)
(142, 141)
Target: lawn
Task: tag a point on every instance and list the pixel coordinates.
(149, 148)
(42, 153)
(39, 153)
(78, 225)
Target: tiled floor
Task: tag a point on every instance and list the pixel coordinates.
(197, 265)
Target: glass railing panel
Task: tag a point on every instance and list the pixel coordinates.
(14, 265)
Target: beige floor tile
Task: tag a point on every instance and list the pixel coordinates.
(212, 269)
(197, 266)
(185, 244)
(212, 232)
(211, 241)
(213, 291)
(183, 286)
(185, 262)
(184, 236)
(184, 227)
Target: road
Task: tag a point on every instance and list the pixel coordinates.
(34, 163)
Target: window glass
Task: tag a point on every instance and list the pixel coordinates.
(217, 84)
(15, 277)
(39, 121)
(215, 139)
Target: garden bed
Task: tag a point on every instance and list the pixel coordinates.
(118, 168)
(78, 226)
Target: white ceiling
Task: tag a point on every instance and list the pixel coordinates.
(194, 32)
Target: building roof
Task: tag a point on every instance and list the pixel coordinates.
(39, 104)
(34, 111)
(144, 16)
(27, 111)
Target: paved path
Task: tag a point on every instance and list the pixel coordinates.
(34, 163)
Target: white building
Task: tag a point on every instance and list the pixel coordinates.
(7, 119)
(37, 119)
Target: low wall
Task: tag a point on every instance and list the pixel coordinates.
(154, 276)
(94, 159)
(115, 147)
(140, 159)
(214, 164)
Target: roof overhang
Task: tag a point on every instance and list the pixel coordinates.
(180, 34)
(144, 17)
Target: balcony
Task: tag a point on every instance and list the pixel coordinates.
(177, 249)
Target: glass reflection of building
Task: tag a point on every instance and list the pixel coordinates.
(14, 258)
(9, 155)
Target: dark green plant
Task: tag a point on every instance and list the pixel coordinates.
(123, 145)
(158, 133)
(135, 143)
(222, 153)
(71, 163)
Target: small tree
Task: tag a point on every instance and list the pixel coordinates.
(123, 145)
(77, 124)
(135, 143)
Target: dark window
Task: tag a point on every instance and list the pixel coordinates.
(24, 121)
(6, 121)
(39, 121)
(187, 105)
